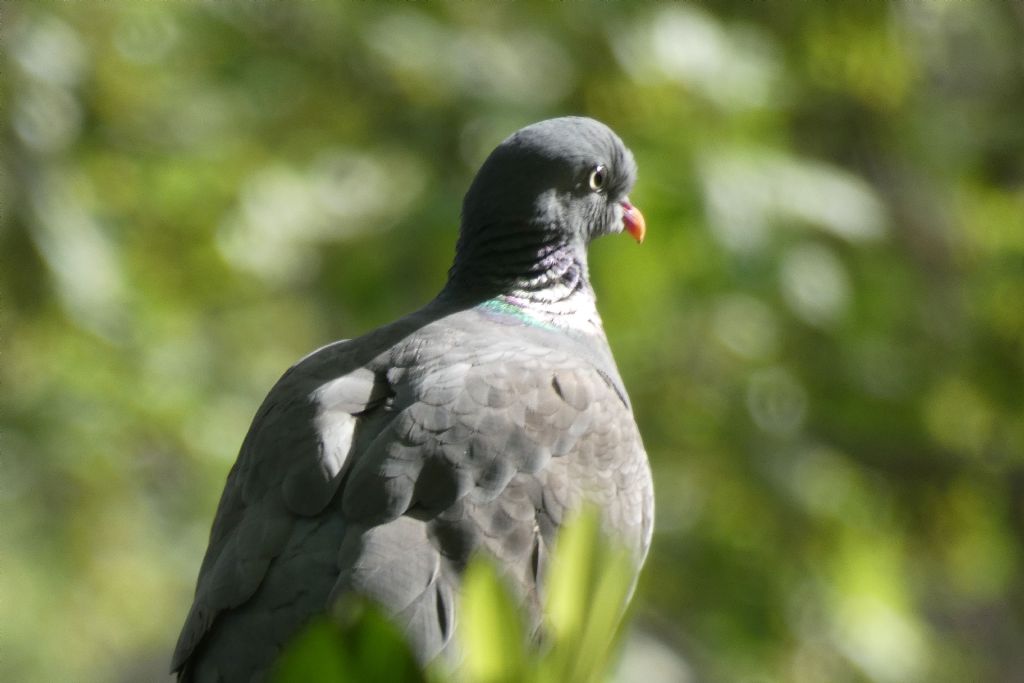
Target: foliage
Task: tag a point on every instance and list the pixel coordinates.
(823, 334)
(589, 583)
(587, 589)
(355, 646)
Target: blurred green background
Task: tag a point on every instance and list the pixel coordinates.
(822, 334)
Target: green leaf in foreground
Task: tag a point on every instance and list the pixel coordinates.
(589, 582)
(588, 587)
(492, 636)
(355, 645)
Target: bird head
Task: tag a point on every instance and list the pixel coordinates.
(566, 178)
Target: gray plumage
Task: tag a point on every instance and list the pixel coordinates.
(379, 465)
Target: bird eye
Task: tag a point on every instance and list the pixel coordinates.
(598, 177)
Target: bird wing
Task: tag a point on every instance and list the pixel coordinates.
(381, 476)
(289, 468)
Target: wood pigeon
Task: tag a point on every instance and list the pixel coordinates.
(378, 466)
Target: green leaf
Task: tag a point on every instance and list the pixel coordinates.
(355, 644)
(493, 638)
(587, 591)
(316, 654)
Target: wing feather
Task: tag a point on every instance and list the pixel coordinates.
(290, 466)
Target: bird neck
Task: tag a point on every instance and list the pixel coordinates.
(541, 275)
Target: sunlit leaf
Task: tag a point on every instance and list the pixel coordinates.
(589, 582)
(493, 638)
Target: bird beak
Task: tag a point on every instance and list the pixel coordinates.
(633, 221)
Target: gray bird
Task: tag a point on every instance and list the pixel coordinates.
(377, 466)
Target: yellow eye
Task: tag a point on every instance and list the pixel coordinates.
(598, 177)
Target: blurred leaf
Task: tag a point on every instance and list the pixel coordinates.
(316, 654)
(357, 644)
(493, 639)
(588, 585)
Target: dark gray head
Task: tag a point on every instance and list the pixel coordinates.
(554, 185)
(569, 175)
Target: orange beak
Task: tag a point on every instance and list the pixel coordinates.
(633, 221)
